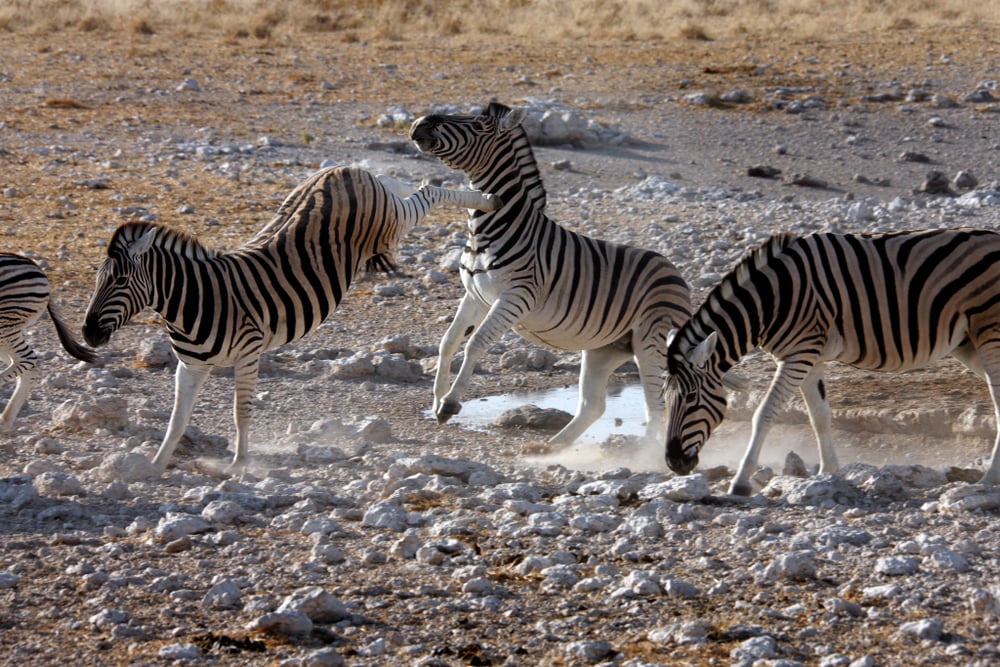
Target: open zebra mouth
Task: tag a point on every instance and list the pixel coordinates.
(422, 134)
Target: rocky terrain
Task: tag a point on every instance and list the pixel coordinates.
(364, 533)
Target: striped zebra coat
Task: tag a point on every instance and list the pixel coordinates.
(554, 287)
(226, 309)
(24, 296)
(892, 302)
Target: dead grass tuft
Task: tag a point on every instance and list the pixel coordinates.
(140, 26)
(402, 20)
(63, 103)
(694, 33)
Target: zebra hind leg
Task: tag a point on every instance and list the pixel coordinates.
(595, 369)
(818, 405)
(985, 362)
(246, 373)
(22, 370)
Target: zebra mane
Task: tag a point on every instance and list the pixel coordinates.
(176, 241)
(524, 152)
(700, 325)
(758, 258)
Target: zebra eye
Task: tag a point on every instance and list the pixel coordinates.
(121, 281)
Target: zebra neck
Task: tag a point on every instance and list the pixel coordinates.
(513, 179)
(179, 294)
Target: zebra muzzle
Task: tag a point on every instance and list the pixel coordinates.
(679, 461)
(94, 333)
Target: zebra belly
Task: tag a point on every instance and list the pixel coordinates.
(896, 359)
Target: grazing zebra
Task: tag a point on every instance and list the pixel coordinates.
(891, 302)
(226, 309)
(553, 286)
(24, 294)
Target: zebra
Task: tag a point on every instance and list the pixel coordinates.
(890, 302)
(523, 271)
(24, 295)
(224, 309)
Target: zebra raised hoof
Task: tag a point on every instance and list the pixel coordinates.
(24, 296)
(554, 287)
(891, 302)
(226, 309)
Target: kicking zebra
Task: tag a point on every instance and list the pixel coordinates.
(226, 309)
(553, 286)
(24, 295)
(890, 302)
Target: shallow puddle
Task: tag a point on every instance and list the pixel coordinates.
(625, 416)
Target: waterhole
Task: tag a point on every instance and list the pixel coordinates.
(601, 446)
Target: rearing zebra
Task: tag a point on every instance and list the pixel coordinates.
(890, 302)
(226, 309)
(554, 287)
(24, 295)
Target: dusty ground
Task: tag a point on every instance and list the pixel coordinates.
(89, 128)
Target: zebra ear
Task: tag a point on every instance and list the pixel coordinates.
(141, 244)
(670, 336)
(700, 355)
(513, 119)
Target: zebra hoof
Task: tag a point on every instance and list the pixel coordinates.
(495, 203)
(448, 410)
(740, 489)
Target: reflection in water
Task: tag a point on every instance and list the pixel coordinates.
(625, 413)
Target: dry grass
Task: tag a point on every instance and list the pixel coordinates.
(399, 20)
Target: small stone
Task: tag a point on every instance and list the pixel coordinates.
(223, 595)
(180, 652)
(965, 180)
(794, 466)
(589, 651)
(935, 183)
(763, 171)
(189, 84)
(285, 623)
(807, 181)
(913, 156)
(319, 605)
(895, 566)
(930, 628)
(8, 580)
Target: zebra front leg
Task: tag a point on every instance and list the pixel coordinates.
(188, 381)
(814, 392)
(786, 380)
(471, 199)
(470, 313)
(596, 367)
(246, 372)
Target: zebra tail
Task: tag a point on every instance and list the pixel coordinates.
(382, 263)
(69, 343)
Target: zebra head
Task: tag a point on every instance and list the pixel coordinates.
(469, 142)
(695, 399)
(123, 284)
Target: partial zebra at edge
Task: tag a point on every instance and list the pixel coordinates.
(224, 309)
(24, 295)
(882, 302)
